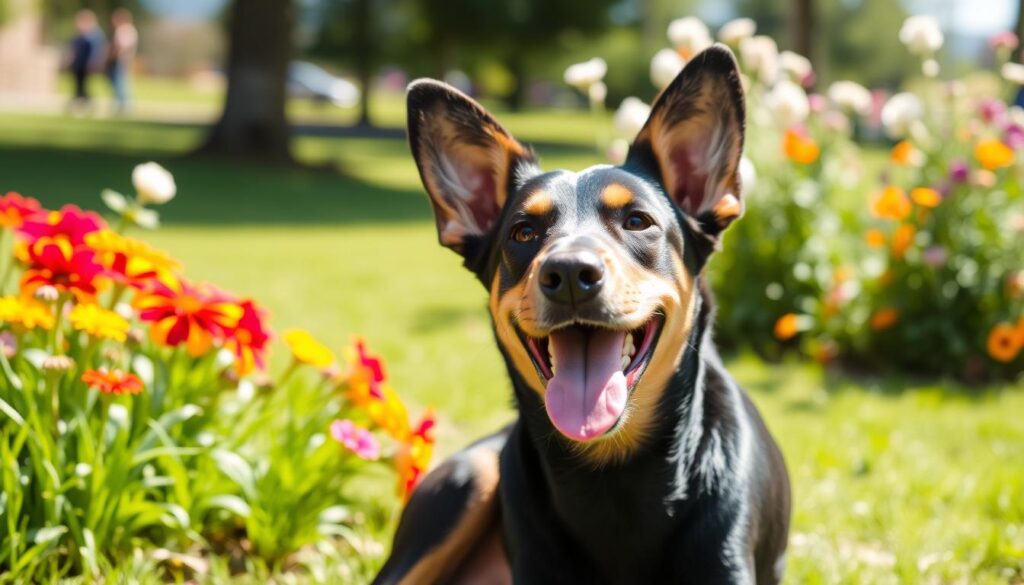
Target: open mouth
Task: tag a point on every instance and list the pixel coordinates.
(589, 373)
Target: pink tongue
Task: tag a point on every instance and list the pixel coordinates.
(587, 394)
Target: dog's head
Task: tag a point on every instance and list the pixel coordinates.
(592, 273)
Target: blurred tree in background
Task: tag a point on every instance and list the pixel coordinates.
(253, 123)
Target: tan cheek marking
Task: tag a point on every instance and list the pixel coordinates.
(616, 196)
(515, 300)
(677, 299)
(539, 203)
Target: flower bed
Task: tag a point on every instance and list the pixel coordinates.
(917, 265)
(136, 410)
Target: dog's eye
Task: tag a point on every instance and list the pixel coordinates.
(523, 232)
(637, 222)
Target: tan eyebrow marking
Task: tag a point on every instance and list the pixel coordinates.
(538, 203)
(616, 196)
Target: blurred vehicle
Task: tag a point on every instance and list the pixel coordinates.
(306, 80)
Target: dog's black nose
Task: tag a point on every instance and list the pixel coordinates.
(572, 276)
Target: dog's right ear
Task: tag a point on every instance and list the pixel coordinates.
(467, 161)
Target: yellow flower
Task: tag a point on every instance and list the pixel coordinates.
(891, 203)
(926, 197)
(307, 350)
(25, 312)
(993, 154)
(99, 322)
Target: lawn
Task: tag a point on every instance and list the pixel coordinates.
(894, 480)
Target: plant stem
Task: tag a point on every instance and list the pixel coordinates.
(6, 254)
(56, 338)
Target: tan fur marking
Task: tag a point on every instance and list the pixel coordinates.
(616, 196)
(517, 304)
(676, 298)
(539, 203)
(444, 559)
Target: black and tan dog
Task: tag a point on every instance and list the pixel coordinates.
(636, 458)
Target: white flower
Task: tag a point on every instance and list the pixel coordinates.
(689, 35)
(733, 32)
(798, 66)
(930, 68)
(1013, 72)
(899, 114)
(153, 183)
(760, 57)
(748, 175)
(665, 66)
(597, 92)
(850, 96)
(583, 75)
(788, 103)
(630, 118)
(921, 34)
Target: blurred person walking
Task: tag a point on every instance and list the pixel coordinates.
(124, 41)
(87, 51)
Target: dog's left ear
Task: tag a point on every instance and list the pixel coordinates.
(467, 161)
(693, 140)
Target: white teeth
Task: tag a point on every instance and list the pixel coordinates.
(551, 356)
(628, 349)
(625, 362)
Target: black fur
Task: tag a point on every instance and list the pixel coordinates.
(705, 499)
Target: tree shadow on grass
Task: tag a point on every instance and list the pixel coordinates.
(212, 192)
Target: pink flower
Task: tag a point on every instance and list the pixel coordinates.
(1006, 41)
(356, 439)
(935, 256)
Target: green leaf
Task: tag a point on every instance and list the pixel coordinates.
(11, 413)
(238, 470)
(49, 534)
(147, 218)
(233, 504)
(114, 200)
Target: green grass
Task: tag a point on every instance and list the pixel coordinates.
(894, 480)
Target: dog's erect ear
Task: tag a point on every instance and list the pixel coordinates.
(467, 161)
(693, 139)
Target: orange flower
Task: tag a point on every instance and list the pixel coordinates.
(993, 154)
(875, 238)
(904, 154)
(902, 238)
(891, 203)
(14, 209)
(787, 326)
(884, 319)
(180, 312)
(112, 381)
(1004, 342)
(799, 148)
(926, 197)
(414, 454)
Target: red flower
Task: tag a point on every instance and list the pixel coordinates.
(112, 381)
(414, 454)
(195, 315)
(371, 368)
(15, 209)
(70, 223)
(248, 341)
(55, 262)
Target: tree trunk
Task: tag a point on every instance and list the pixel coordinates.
(253, 123)
(363, 15)
(802, 26)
